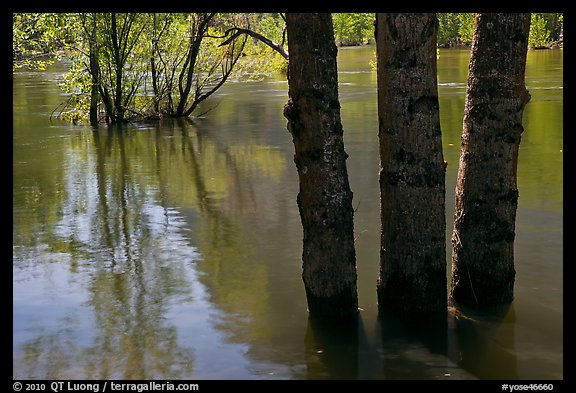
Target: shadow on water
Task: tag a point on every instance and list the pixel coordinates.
(483, 342)
(332, 347)
(458, 344)
(414, 349)
(461, 344)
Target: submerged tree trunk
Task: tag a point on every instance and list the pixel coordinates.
(486, 192)
(412, 280)
(199, 26)
(93, 50)
(118, 61)
(325, 198)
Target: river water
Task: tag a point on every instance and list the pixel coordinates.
(173, 250)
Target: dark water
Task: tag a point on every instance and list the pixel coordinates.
(173, 250)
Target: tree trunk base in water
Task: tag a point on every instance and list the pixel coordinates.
(410, 297)
(341, 305)
(324, 198)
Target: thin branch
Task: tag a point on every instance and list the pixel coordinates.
(237, 31)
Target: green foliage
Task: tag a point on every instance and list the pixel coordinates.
(38, 37)
(448, 29)
(458, 28)
(143, 65)
(465, 27)
(554, 25)
(76, 83)
(455, 28)
(539, 35)
(148, 65)
(353, 28)
(113, 40)
(545, 28)
(259, 59)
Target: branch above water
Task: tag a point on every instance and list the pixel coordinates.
(237, 31)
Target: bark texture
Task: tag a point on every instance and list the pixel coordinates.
(483, 271)
(324, 199)
(412, 280)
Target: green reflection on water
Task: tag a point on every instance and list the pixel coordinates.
(173, 249)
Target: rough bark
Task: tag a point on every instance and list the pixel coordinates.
(324, 199)
(412, 280)
(483, 271)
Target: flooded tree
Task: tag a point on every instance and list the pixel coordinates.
(89, 24)
(486, 192)
(102, 67)
(412, 278)
(205, 69)
(134, 66)
(324, 199)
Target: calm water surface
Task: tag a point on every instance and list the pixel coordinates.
(173, 250)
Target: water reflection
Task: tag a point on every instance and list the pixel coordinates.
(332, 347)
(173, 249)
(414, 349)
(117, 225)
(137, 259)
(483, 342)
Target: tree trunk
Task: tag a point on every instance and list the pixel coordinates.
(486, 192)
(325, 198)
(119, 68)
(412, 278)
(95, 74)
(200, 26)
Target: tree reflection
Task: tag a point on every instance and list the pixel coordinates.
(118, 228)
(482, 343)
(464, 344)
(119, 218)
(237, 214)
(414, 349)
(332, 347)
(138, 261)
